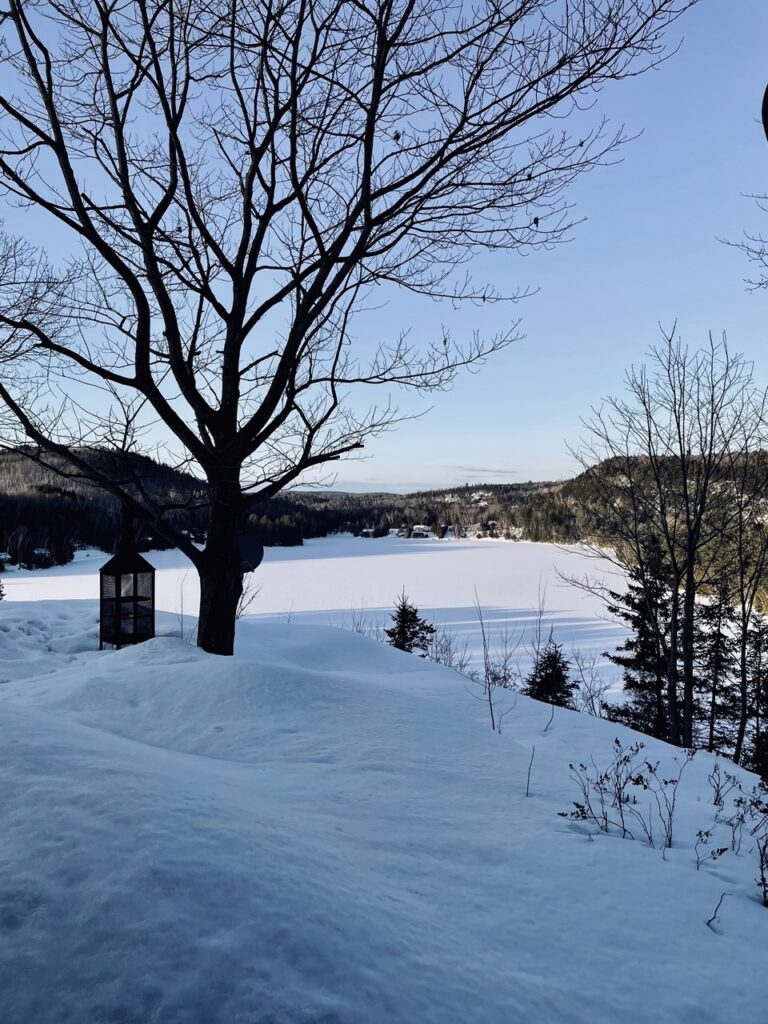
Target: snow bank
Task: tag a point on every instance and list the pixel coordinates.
(325, 830)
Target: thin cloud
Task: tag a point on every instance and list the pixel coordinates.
(483, 471)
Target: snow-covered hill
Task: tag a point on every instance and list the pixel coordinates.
(323, 830)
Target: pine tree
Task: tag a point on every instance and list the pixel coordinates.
(409, 631)
(758, 672)
(548, 680)
(715, 647)
(645, 608)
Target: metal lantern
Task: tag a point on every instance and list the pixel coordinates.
(127, 594)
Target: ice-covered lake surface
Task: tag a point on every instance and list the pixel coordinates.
(324, 830)
(335, 580)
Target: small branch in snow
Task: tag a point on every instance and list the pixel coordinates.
(551, 718)
(530, 765)
(714, 919)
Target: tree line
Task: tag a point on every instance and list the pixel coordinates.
(45, 518)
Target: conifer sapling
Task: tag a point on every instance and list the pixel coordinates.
(409, 631)
(548, 680)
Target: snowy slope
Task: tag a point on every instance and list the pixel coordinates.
(325, 831)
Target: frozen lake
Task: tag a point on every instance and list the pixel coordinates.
(330, 580)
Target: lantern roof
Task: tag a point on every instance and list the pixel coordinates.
(126, 558)
(125, 561)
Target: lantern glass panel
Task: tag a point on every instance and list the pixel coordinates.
(126, 618)
(126, 584)
(144, 620)
(144, 584)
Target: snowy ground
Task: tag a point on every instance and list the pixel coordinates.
(330, 581)
(323, 830)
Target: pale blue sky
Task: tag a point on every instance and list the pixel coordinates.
(647, 253)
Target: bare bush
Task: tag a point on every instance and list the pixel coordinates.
(592, 688)
(703, 851)
(445, 649)
(610, 797)
(498, 669)
(361, 623)
(722, 783)
(735, 822)
(762, 850)
(758, 816)
(749, 812)
(250, 592)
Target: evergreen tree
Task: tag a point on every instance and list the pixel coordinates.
(548, 680)
(716, 697)
(409, 631)
(645, 608)
(757, 758)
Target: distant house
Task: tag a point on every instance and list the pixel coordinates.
(367, 532)
(421, 531)
(39, 558)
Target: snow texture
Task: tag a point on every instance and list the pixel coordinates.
(324, 830)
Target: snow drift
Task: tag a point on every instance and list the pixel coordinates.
(323, 830)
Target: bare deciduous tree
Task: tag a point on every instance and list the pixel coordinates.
(663, 465)
(235, 178)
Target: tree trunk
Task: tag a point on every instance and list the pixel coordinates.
(221, 578)
(715, 680)
(688, 640)
(712, 713)
(673, 709)
(661, 724)
(673, 712)
(743, 693)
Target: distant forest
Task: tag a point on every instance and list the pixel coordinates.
(45, 517)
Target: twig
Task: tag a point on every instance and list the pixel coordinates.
(488, 680)
(551, 717)
(714, 919)
(530, 765)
